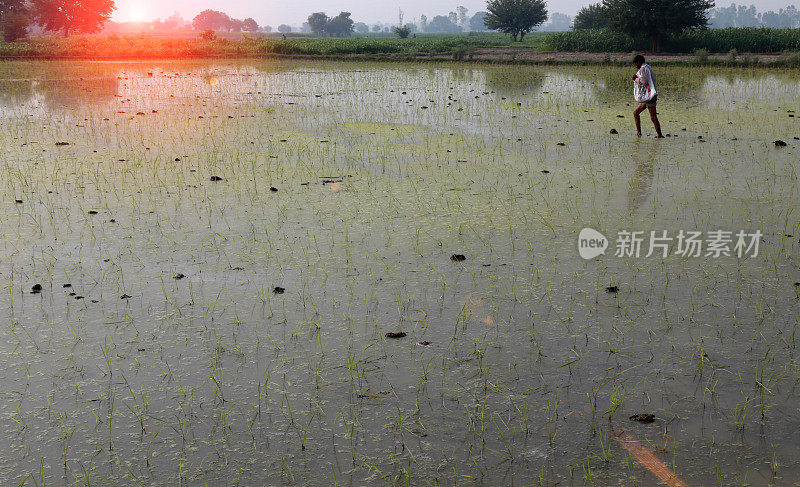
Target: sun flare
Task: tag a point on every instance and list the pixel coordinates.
(136, 14)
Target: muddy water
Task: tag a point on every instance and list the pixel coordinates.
(159, 350)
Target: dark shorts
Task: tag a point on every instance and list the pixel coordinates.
(651, 103)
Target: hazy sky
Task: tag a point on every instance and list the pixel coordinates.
(294, 12)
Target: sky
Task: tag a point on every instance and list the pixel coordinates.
(294, 12)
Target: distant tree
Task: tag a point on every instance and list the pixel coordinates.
(748, 16)
(250, 25)
(211, 20)
(14, 19)
(235, 25)
(735, 16)
(440, 23)
(12, 6)
(462, 16)
(423, 23)
(657, 19)
(305, 28)
(169, 24)
(284, 29)
(341, 25)
(558, 22)
(361, 27)
(376, 28)
(14, 25)
(266, 28)
(318, 21)
(591, 17)
(785, 18)
(476, 23)
(744, 16)
(770, 19)
(85, 16)
(174, 21)
(515, 17)
(403, 32)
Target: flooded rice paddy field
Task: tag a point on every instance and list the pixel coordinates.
(200, 263)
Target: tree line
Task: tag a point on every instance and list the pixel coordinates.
(655, 19)
(742, 16)
(596, 16)
(652, 19)
(66, 16)
(215, 20)
(339, 26)
(460, 20)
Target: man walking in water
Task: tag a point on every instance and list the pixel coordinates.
(644, 90)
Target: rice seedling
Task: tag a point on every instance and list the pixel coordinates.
(369, 291)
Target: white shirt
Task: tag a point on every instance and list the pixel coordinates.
(645, 76)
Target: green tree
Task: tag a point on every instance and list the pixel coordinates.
(318, 22)
(657, 19)
(341, 25)
(591, 17)
(84, 16)
(284, 29)
(515, 17)
(403, 32)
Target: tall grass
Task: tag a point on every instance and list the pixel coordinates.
(384, 45)
(749, 39)
(592, 40)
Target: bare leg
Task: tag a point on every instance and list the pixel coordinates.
(636, 118)
(656, 124)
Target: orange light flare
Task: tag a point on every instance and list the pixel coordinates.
(136, 13)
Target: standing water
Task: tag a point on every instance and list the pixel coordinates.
(297, 273)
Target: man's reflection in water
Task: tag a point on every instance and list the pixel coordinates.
(644, 155)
